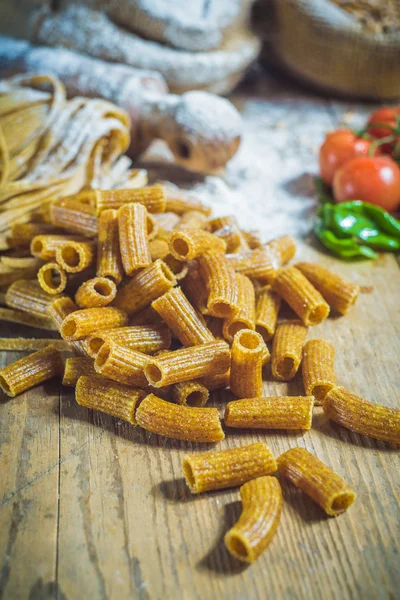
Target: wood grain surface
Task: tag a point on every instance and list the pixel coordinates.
(93, 508)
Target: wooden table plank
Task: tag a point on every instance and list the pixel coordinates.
(127, 526)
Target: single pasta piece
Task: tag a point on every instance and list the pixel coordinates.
(52, 278)
(267, 310)
(220, 280)
(121, 364)
(143, 338)
(216, 382)
(233, 237)
(221, 469)
(22, 234)
(315, 479)
(287, 349)
(32, 344)
(259, 520)
(192, 219)
(158, 249)
(195, 289)
(302, 297)
(179, 268)
(248, 349)
(95, 292)
(190, 393)
(318, 369)
(151, 197)
(133, 241)
(284, 248)
(179, 422)
(144, 287)
(109, 263)
(28, 296)
(87, 321)
(187, 244)
(31, 370)
(179, 201)
(45, 246)
(23, 318)
(188, 363)
(339, 293)
(285, 412)
(166, 222)
(109, 397)
(75, 368)
(361, 416)
(59, 309)
(246, 316)
(73, 215)
(258, 264)
(74, 257)
(253, 239)
(176, 310)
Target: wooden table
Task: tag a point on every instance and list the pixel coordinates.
(93, 508)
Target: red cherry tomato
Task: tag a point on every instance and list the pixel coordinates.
(388, 115)
(371, 179)
(338, 147)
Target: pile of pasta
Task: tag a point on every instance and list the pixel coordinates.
(52, 147)
(162, 304)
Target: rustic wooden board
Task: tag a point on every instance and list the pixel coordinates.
(93, 508)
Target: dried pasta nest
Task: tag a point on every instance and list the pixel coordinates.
(321, 44)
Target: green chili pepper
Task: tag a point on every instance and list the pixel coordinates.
(342, 247)
(351, 229)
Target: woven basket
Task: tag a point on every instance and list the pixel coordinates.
(323, 45)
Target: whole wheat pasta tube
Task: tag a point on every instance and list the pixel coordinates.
(73, 215)
(284, 248)
(121, 364)
(287, 349)
(315, 479)
(143, 338)
(151, 197)
(187, 244)
(74, 257)
(318, 369)
(28, 296)
(221, 469)
(30, 370)
(144, 287)
(158, 249)
(179, 422)
(220, 279)
(133, 241)
(52, 278)
(258, 264)
(87, 321)
(192, 219)
(188, 363)
(246, 316)
(339, 293)
(45, 246)
(267, 309)
(190, 393)
(22, 234)
(59, 309)
(195, 289)
(301, 296)
(179, 268)
(361, 416)
(179, 201)
(284, 412)
(248, 348)
(95, 292)
(259, 520)
(176, 310)
(109, 263)
(76, 367)
(109, 397)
